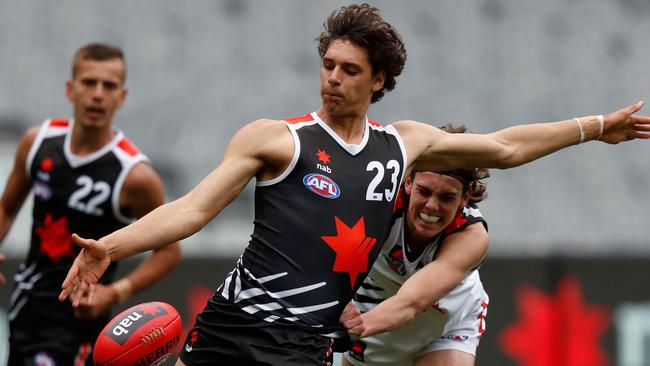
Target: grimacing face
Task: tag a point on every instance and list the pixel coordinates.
(434, 201)
(346, 79)
(96, 91)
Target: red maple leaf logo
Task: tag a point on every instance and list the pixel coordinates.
(56, 240)
(152, 309)
(352, 247)
(556, 331)
(323, 156)
(194, 336)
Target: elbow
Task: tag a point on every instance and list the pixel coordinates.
(414, 307)
(509, 157)
(191, 216)
(419, 306)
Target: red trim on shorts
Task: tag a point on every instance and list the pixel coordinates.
(82, 354)
(306, 118)
(59, 122)
(481, 317)
(328, 353)
(128, 147)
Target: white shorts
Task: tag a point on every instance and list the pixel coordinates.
(455, 324)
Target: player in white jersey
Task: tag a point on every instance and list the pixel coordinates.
(425, 289)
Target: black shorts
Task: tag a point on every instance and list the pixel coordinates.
(226, 335)
(46, 330)
(49, 354)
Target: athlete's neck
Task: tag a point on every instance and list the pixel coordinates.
(85, 141)
(349, 127)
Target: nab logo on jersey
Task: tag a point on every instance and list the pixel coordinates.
(321, 185)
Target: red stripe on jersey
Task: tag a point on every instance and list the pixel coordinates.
(374, 123)
(457, 222)
(306, 118)
(128, 147)
(59, 122)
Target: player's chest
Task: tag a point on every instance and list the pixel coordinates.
(87, 189)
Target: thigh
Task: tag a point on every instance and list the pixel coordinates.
(446, 357)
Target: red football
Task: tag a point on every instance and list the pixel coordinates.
(145, 334)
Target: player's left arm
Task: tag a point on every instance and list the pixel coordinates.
(458, 254)
(436, 150)
(142, 192)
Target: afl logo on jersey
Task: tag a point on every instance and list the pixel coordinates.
(42, 191)
(321, 185)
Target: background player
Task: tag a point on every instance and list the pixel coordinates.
(86, 178)
(326, 184)
(423, 301)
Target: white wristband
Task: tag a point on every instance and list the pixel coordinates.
(601, 121)
(582, 132)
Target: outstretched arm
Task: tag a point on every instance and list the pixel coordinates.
(261, 148)
(436, 150)
(459, 253)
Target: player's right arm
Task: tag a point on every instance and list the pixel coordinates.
(263, 149)
(17, 188)
(458, 255)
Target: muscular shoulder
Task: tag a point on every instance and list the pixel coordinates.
(29, 136)
(268, 141)
(265, 132)
(417, 137)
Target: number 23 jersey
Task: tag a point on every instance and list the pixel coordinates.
(319, 226)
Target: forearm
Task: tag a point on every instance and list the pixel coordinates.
(389, 314)
(166, 224)
(425, 288)
(529, 142)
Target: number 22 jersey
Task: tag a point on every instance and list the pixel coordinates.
(72, 194)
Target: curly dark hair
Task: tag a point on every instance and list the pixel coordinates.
(469, 177)
(363, 26)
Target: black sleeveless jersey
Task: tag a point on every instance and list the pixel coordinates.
(319, 226)
(72, 194)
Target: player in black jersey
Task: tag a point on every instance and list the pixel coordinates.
(86, 178)
(326, 184)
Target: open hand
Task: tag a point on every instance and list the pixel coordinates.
(624, 125)
(88, 267)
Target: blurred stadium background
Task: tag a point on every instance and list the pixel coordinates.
(569, 261)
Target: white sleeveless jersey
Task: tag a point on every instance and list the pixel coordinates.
(455, 322)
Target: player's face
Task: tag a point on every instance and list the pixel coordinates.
(97, 91)
(434, 201)
(346, 79)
